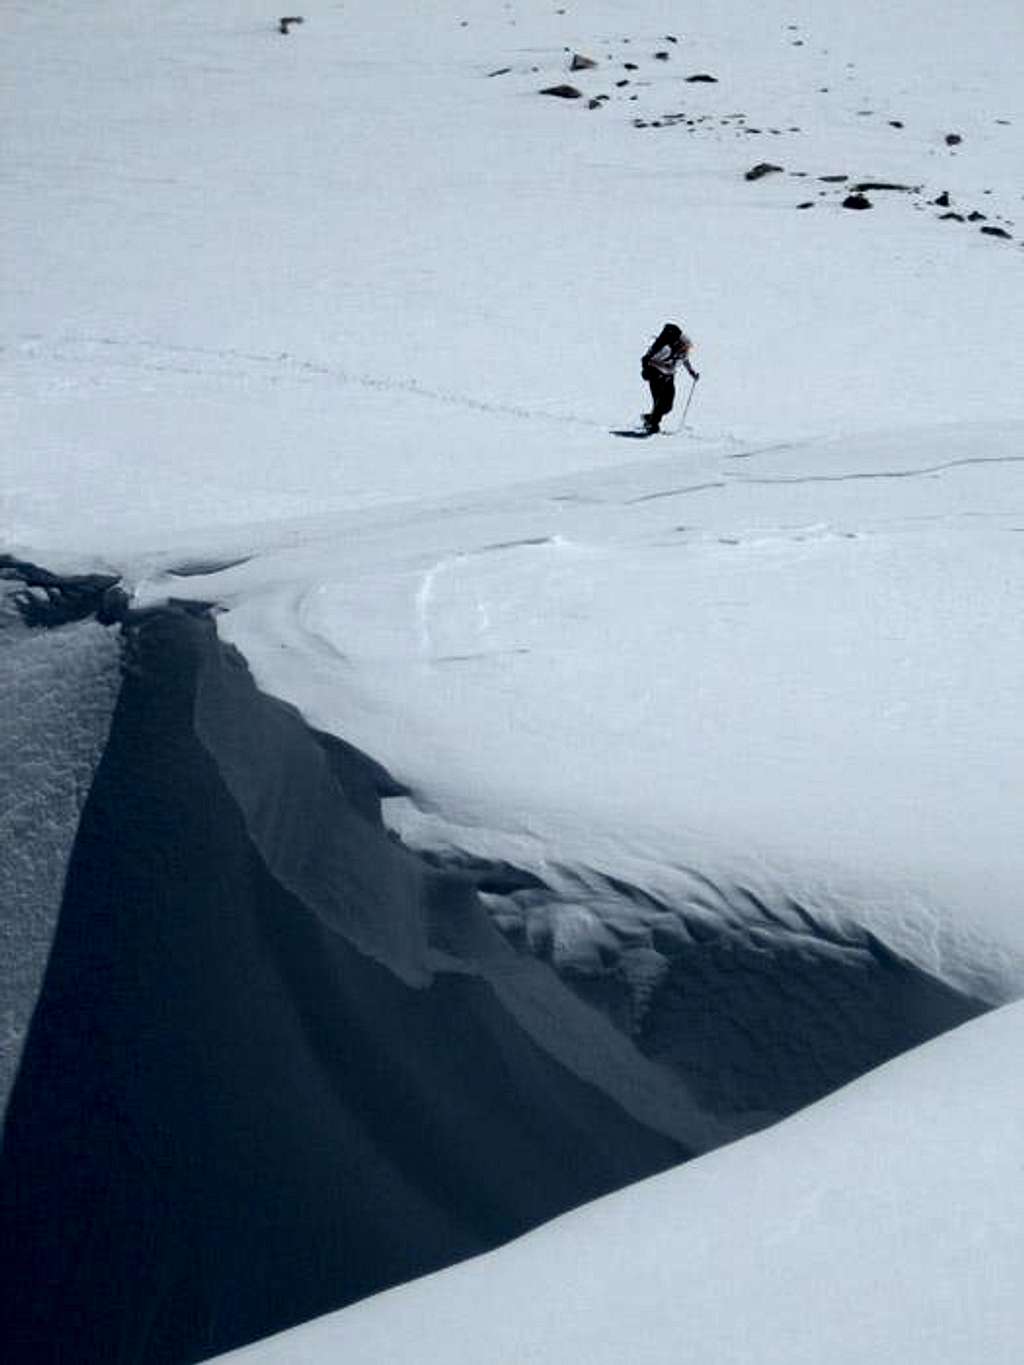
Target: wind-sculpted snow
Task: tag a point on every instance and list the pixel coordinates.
(761, 1010)
(278, 1062)
(58, 689)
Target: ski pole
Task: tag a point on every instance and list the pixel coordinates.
(689, 400)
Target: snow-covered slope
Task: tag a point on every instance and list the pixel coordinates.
(333, 329)
(59, 691)
(277, 274)
(883, 1224)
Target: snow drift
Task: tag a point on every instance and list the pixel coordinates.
(277, 1063)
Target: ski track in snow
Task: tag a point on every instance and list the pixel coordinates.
(82, 351)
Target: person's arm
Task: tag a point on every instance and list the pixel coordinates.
(694, 375)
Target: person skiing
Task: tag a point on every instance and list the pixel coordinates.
(658, 368)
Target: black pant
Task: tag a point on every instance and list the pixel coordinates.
(663, 395)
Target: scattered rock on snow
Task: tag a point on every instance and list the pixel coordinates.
(857, 201)
(807, 204)
(866, 186)
(942, 200)
(997, 232)
(703, 76)
(953, 139)
(581, 63)
(759, 171)
(285, 23)
(951, 217)
(563, 92)
(833, 179)
(976, 217)
(501, 71)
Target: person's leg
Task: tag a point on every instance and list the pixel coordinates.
(663, 395)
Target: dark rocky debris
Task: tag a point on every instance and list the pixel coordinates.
(49, 599)
(762, 169)
(866, 186)
(563, 92)
(857, 201)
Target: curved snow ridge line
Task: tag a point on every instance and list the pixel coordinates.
(879, 473)
(291, 366)
(426, 593)
(382, 1086)
(737, 889)
(397, 910)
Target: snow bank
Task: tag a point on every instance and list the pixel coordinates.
(882, 1224)
(791, 671)
(277, 1063)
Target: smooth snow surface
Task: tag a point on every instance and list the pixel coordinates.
(882, 1224)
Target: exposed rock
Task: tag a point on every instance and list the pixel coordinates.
(833, 179)
(284, 24)
(942, 200)
(866, 186)
(49, 599)
(661, 56)
(807, 204)
(951, 217)
(895, 123)
(762, 169)
(581, 63)
(703, 76)
(997, 232)
(953, 139)
(501, 71)
(857, 201)
(563, 92)
(976, 217)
